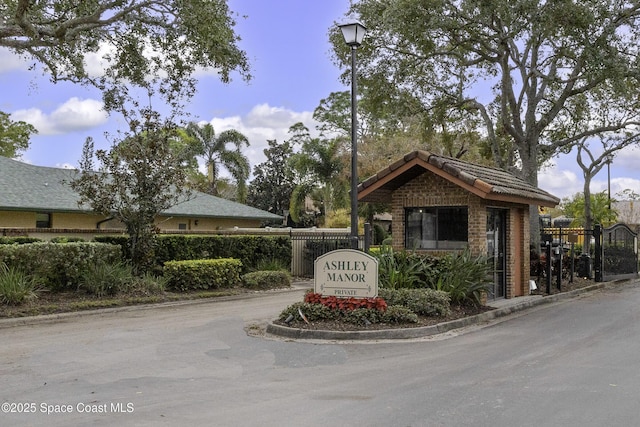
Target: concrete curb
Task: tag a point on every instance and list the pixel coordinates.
(421, 332)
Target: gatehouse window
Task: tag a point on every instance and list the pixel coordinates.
(436, 227)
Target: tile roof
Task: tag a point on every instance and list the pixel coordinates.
(486, 182)
(26, 187)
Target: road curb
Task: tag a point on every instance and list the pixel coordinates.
(425, 331)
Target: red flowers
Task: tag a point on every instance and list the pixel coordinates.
(336, 303)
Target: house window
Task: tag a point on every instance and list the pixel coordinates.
(436, 227)
(182, 226)
(43, 220)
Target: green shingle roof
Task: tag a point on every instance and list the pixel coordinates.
(26, 187)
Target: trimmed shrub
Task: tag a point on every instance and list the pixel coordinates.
(18, 240)
(250, 250)
(58, 266)
(425, 302)
(203, 273)
(313, 312)
(267, 279)
(362, 316)
(62, 239)
(399, 314)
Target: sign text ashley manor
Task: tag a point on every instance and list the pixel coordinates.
(346, 273)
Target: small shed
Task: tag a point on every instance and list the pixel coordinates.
(441, 204)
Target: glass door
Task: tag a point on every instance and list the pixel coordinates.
(496, 250)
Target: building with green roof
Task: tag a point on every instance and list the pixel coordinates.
(37, 199)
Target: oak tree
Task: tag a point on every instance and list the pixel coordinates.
(152, 44)
(540, 76)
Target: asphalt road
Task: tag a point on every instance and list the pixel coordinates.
(571, 363)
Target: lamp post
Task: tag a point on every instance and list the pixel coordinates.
(609, 160)
(353, 34)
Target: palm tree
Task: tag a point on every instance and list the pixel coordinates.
(213, 148)
(319, 165)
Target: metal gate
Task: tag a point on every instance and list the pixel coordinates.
(619, 252)
(309, 246)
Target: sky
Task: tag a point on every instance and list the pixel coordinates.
(288, 48)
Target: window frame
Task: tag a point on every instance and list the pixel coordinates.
(40, 222)
(439, 217)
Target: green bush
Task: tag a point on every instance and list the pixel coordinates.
(267, 279)
(464, 277)
(313, 312)
(203, 273)
(362, 316)
(16, 286)
(58, 266)
(272, 264)
(425, 302)
(63, 239)
(379, 234)
(145, 285)
(102, 279)
(250, 250)
(399, 269)
(399, 314)
(18, 240)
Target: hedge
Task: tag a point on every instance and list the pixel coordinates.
(250, 250)
(202, 274)
(58, 266)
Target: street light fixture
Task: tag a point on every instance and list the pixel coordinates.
(353, 34)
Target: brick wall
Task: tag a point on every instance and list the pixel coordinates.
(429, 189)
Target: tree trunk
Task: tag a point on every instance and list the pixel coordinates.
(529, 173)
(588, 218)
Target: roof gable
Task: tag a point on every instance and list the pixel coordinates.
(485, 182)
(25, 187)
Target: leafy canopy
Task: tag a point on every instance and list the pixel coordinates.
(141, 176)
(536, 76)
(14, 136)
(143, 43)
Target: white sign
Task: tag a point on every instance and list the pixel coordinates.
(346, 273)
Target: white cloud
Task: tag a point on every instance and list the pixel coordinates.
(94, 62)
(75, 114)
(627, 158)
(263, 123)
(9, 61)
(559, 182)
(620, 184)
